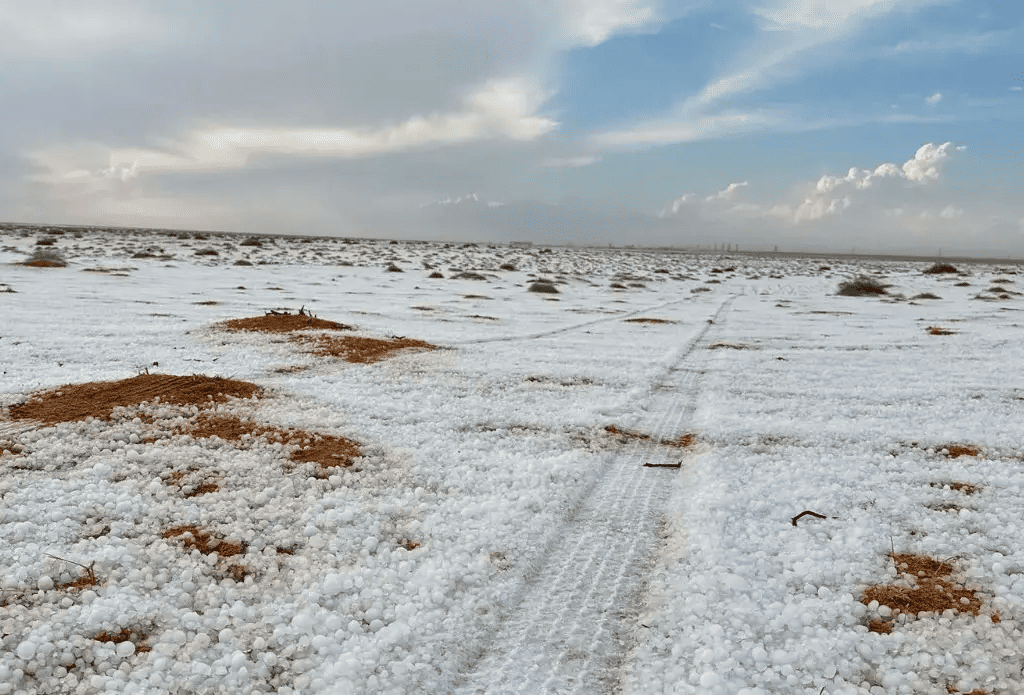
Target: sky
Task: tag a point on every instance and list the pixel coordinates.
(819, 125)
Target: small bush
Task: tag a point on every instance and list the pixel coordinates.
(507, 266)
(46, 257)
(926, 295)
(469, 275)
(543, 287)
(394, 269)
(939, 268)
(861, 286)
(207, 252)
(436, 274)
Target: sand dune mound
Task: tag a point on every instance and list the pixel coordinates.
(98, 399)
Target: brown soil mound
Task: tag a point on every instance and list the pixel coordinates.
(283, 323)
(361, 350)
(957, 450)
(933, 591)
(44, 264)
(324, 449)
(644, 319)
(97, 399)
(203, 541)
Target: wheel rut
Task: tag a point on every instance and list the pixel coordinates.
(569, 630)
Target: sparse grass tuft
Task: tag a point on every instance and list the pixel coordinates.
(46, 258)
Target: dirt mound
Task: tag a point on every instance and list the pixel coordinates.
(360, 350)
(44, 264)
(955, 451)
(324, 449)
(97, 399)
(931, 589)
(283, 323)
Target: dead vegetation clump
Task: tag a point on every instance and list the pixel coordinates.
(543, 287)
(939, 330)
(98, 399)
(928, 588)
(862, 286)
(939, 268)
(644, 319)
(682, 442)
(45, 258)
(283, 322)
(193, 537)
(360, 350)
(926, 295)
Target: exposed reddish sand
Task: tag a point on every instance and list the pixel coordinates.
(97, 399)
(933, 591)
(282, 323)
(324, 449)
(360, 350)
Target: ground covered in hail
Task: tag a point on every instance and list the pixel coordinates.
(287, 465)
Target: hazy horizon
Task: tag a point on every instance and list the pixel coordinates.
(885, 126)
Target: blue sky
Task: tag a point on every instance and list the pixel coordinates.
(886, 125)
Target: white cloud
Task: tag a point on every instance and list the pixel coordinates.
(570, 162)
(934, 98)
(591, 22)
(684, 129)
(728, 192)
(828, 15)
(829, 195)
(56, 28)
(923, 168)
(676, 205)
(499, 109)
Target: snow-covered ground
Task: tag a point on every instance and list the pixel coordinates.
(494, 537)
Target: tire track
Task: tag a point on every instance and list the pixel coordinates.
(571, 327)
(569, 627)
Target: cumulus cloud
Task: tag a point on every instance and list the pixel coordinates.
(728, 192)
(824, 200)
(934, 98)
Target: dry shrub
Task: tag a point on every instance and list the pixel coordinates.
(938, 268)
(861, 286)
(939, 330)
(360, 350)
(86, 581)
(283, 323)
(926, 295)
(644, 319)
(468, 275)
(192, 536)
(98, 399)
(46, 258)
(543, 288)
(930, 589)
